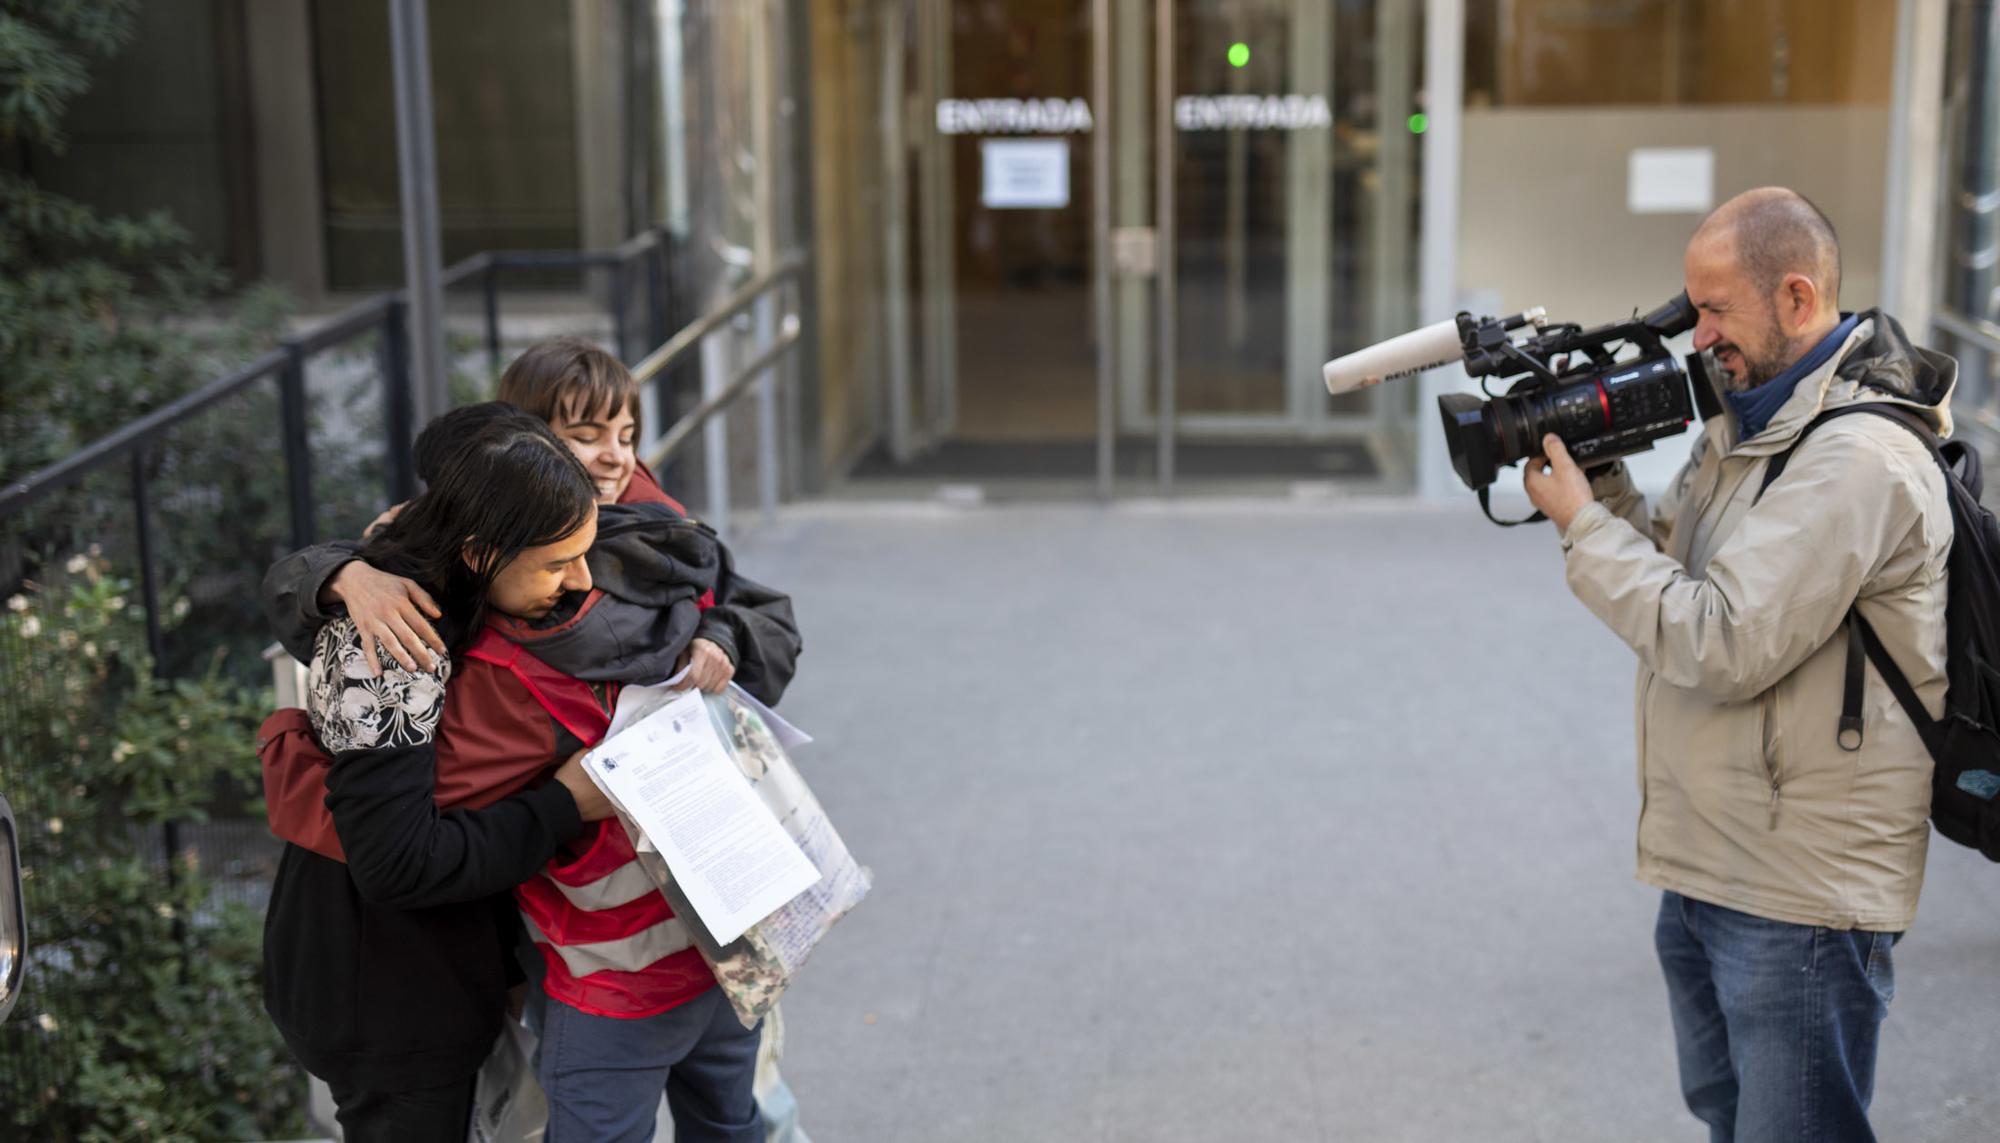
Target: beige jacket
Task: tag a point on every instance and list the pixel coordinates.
(1738, 615)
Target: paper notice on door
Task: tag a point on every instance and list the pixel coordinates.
(1024, 174)
(670, 773)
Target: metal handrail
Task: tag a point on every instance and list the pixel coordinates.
(370, 314)
(1985, 334)
(683, 343)
(285, 364)
(1969, 328)
(24, 493)
(773, 342)
(720, 401)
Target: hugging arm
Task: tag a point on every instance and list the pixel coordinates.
(755, 627)
(292, 593)
(305, 589)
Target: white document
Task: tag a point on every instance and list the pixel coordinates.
(636, 702)
(672, 775)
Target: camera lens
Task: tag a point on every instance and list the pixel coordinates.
(1573, 412)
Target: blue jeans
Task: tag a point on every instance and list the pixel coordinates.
(1775, 1024)
(603, 1075)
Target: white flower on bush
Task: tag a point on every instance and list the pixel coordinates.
(90, 650)
(30, 627)
(165, 911)
(117, 603)
(17, 603)
(181, 607)
(77, 563)
(122, 751)
(47, 1022)
(55, 825)
(66, 639)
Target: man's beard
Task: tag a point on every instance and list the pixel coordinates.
(1762, 368)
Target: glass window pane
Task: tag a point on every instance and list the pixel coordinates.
(1709, 52)
(504, 94)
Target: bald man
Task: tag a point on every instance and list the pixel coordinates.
(1789, 860)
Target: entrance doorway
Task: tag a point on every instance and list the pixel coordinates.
(1015, 123)
(1262, 198)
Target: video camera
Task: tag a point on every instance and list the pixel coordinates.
(1571, 383)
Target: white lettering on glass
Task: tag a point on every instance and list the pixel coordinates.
(1014, 117)
(1252, 113)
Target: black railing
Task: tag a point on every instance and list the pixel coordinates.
(384, 317)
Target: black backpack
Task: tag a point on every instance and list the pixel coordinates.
(1964, 744)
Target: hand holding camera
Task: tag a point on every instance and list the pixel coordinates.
(1599, 407)
(1556, 486)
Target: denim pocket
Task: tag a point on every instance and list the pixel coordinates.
(1881, 966)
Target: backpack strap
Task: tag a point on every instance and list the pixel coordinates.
(1861, 639)
(1907, 418)
(1899, 683)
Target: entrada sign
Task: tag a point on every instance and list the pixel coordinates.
(1014, 117)
(1252, 113)
(1191, 113)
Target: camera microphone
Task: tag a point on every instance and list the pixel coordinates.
(1441, 343)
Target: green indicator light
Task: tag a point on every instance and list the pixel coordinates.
(1419, 122)
(1239, 55)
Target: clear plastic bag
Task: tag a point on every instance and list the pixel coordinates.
(756, 968)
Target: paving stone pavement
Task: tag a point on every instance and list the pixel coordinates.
(1239, 820)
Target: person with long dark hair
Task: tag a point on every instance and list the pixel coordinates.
(387, 960)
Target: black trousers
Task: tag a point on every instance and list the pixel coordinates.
(419, 1115)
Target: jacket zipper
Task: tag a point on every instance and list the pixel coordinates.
(1765, 719)
(1713, 500)
(1645, 698)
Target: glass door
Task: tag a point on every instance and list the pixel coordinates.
(1009, 188)
(1256, 161)
(1286, 133)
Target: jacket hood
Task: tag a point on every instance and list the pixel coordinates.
(651, 568)
(1890, 362)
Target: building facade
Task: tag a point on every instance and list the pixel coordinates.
(1095, 242)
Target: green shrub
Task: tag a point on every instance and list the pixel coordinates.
(142, 1016)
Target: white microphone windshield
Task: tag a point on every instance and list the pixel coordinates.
(1400, 356)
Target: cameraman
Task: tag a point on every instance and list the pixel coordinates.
(1789, 864)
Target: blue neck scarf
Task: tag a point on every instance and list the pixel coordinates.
(1755, 407)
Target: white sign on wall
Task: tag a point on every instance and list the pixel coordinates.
(1671, 180)
(1014, 117)
(1024, 174)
